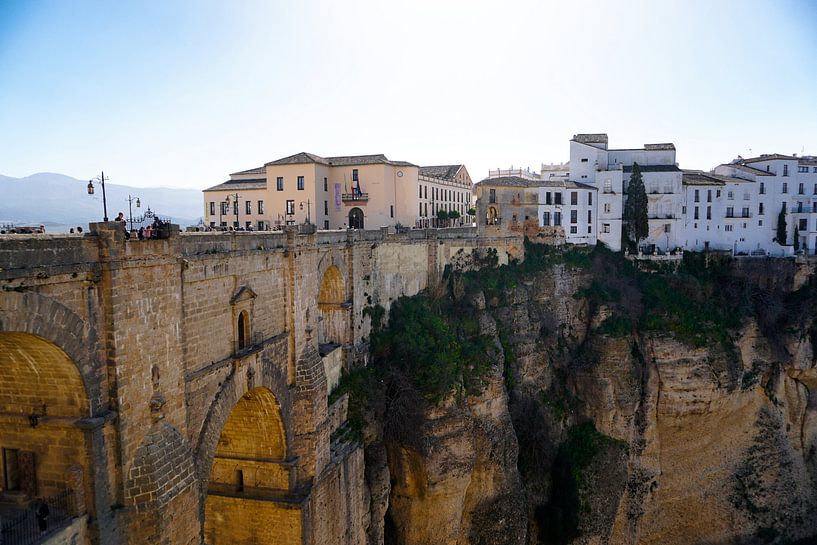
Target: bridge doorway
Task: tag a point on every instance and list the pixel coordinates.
(356, 218)
(252, 478)
(43, 453)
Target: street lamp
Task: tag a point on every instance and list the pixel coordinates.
(130, 208)
(308, 214)
(101, 180)
(235, 197)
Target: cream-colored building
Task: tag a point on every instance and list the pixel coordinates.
(362, 192)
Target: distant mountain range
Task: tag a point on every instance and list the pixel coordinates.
(57, 201)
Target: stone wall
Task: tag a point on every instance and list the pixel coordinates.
(152, 329)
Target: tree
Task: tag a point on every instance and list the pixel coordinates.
(781, 226)
(635, 209)
(472, 211)
(454, 215)
(442, 217)
(796, 240)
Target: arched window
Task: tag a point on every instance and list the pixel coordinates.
(243, 330)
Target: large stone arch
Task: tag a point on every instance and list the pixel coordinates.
(238, 383)
(333, 302)
(44, 317)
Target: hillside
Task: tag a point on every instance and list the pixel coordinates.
(55, 199)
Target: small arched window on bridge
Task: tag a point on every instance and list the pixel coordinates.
(242, 303)
(243, 330)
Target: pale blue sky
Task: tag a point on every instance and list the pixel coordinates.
(180, 94)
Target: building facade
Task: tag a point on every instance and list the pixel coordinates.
(361, 192)
(734, 207)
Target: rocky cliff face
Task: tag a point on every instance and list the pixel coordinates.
(595, 427)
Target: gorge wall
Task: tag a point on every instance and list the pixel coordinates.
(672, 404)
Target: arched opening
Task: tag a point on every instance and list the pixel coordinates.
(251, 478)
(333, 323)
(356, 218)
(43, 451)
(491, 217)
(243, 327)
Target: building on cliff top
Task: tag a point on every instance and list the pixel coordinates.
(355, 191)
(734, 207)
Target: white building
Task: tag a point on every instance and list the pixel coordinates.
(572, 206)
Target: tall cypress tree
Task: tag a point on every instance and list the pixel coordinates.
(635, 209)
(796, 240)
(781, 226)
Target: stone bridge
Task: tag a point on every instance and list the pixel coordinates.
(180, 387)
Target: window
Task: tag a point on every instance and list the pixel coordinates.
(248, 207)
(354, 175)
(584, 159)
(696, 213)
(557, 198)
(608, 186)
(260, 207)
(684, 210)
(589, 216)
(326, 224)
(697, 195)
(667, 227)
(803, 224)
(11, 469)
(391, 211)
(709, 212)
(708, 195)
(718, 194)
(814, 170)
(814, 207)
(605, 227)
(300, 183)
(730, 212)
(557, 219)
(546, 219)
(745, 212)
(547, 198)
(279, 183)
(760, 209)
(325, 184)
(815, 190)
(785, 170)
(730, 195)
(224, 209)
(762, 188)
(235, 207)
(425, 191)
(589, 198)
(801, 188)
(421, 191)
(589, 229)
(760, 223)
(290, 207)
(243, 330)
(491, 195)
(574, 198)
(746, 196)
(213, 208)
(326, 207)
(248, 225)
(727, 228)
(784, 206)
(799, 207)
(607, 208)
(573, 229)
(785, 187)
(802, 169)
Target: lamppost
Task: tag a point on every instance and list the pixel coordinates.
(308, 214)
(130, 208)
(101, 180)
(235, 197)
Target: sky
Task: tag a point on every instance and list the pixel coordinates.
(181, 93)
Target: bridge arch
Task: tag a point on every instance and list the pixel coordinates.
(44, 451)
(251, 477)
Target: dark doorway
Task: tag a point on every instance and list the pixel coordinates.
(356, 218)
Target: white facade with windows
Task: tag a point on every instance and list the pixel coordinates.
(572, 206)
(734, 207)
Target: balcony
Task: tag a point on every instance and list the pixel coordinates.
(354, 197)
